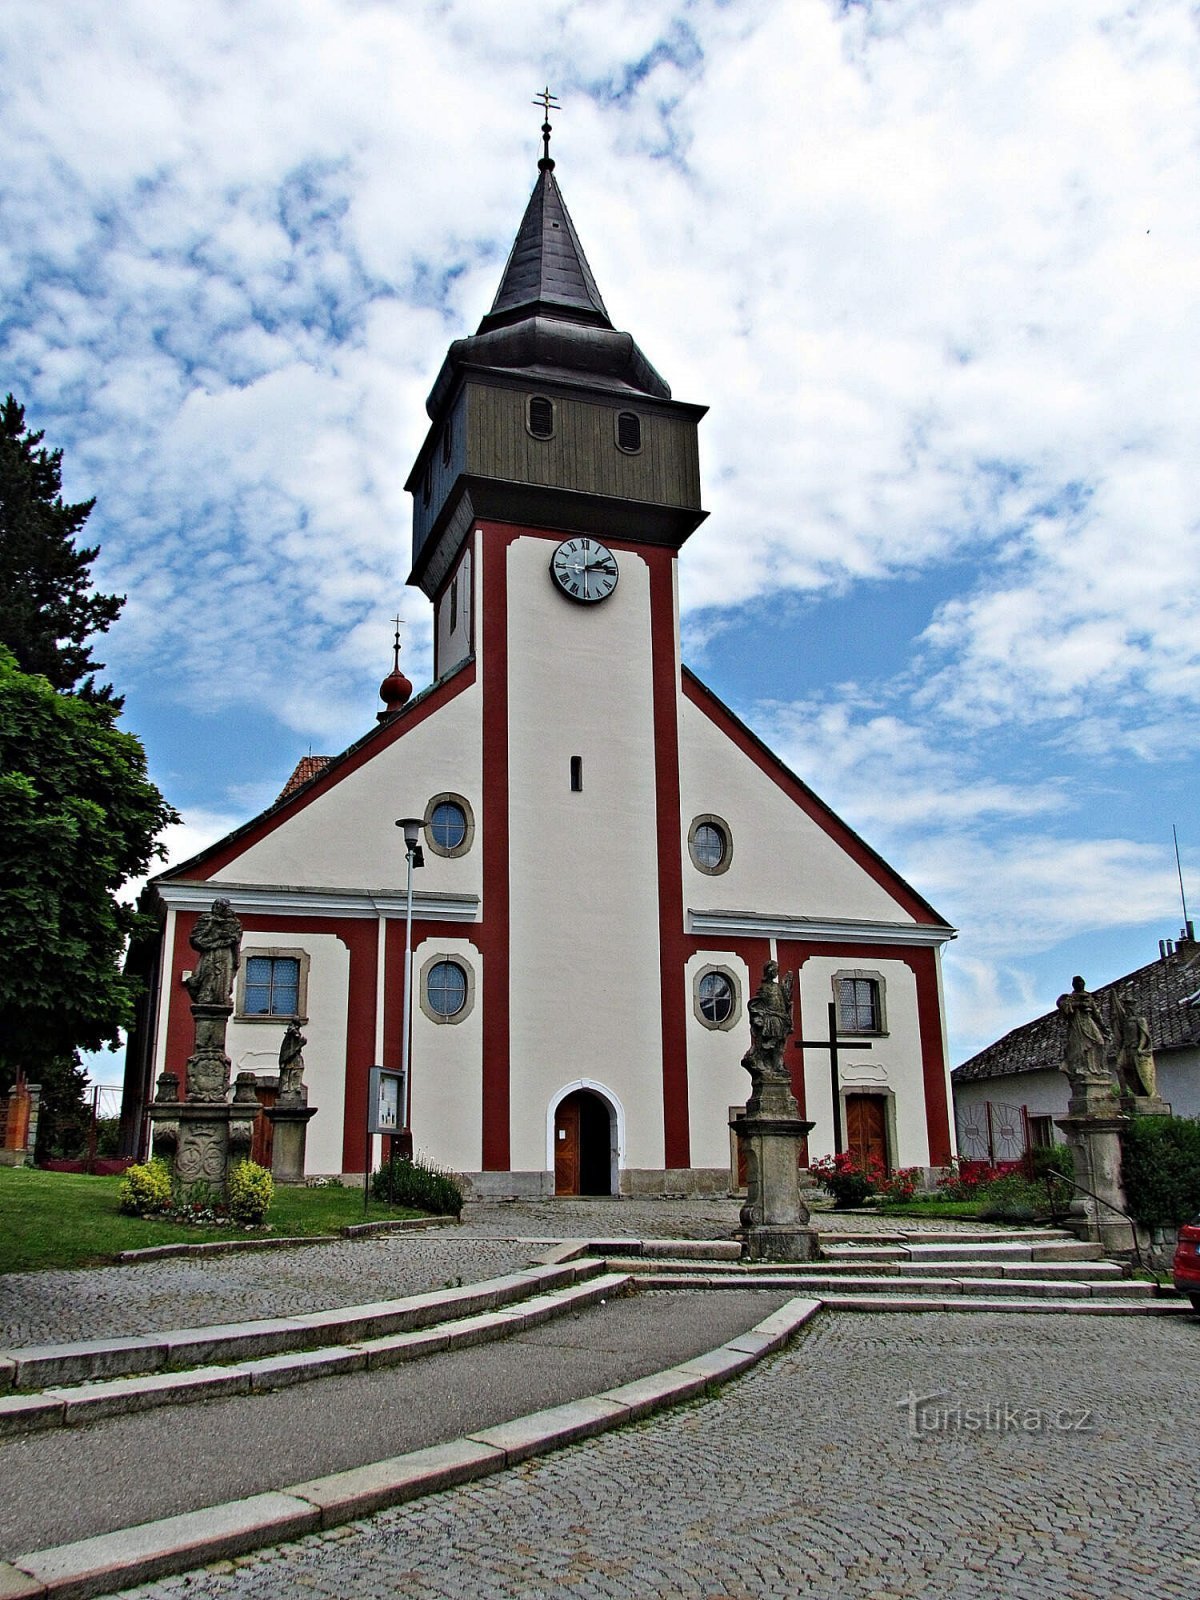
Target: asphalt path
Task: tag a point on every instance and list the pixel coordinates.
(70, 1483)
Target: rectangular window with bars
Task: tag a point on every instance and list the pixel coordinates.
(272, 986)
(858, 1005)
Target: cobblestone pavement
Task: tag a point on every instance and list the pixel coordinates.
(494, 1237)
(808, 1478)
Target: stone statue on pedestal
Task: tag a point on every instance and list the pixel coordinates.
(771, 1025)
(1083, 1058)
(217, 938)
(1135, 1054)
(291, 1067)
(289, 1116)
(770, 1131)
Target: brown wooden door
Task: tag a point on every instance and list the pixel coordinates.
(866, 1129)
(566, 1146)
(263, 1142)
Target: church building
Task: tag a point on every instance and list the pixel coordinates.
(610, 855)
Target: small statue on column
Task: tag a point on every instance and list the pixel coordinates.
(291, 1067)
(1083, 1059)
(771, 1025)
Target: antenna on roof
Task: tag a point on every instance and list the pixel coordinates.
(1187, 932)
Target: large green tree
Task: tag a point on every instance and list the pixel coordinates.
(78, 820)
(48, 609)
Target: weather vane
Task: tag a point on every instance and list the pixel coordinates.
(548, 103)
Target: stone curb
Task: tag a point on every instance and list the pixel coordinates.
(82, 1403)
(219, 1247)
(34, 1367)
(130, 1556)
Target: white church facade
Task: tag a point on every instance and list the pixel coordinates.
(610, 855)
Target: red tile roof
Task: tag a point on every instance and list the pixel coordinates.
(306, 768)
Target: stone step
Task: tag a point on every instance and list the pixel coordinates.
(34, 1367)
(1027, 1250)
(945, 1295)
(73, 1405)
(813, 1280)
(1066, 1271)
(946, 1236)
(671, 1249)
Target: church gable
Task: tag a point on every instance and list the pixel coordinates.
(788, 852)
(337, 830)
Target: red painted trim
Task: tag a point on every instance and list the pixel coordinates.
(372, 744)
(180, 1033)
(491, 569)
(922, 962)
(672, 943)
(811, 804)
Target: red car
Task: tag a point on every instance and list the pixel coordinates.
(1186, 1265)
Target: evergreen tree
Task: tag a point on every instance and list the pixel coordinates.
(47, 605)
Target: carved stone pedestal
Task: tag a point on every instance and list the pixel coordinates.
(1144, 1105)
(290, 1124)
(774, 1218)
(1093, 1126)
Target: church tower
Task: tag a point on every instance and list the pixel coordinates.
(554, 488)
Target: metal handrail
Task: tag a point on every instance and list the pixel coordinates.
(1099, 1198)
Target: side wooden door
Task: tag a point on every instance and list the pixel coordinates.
(866, 1129)
(566, 1146)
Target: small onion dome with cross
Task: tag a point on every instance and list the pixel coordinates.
(395, 691)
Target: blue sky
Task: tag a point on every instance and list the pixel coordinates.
(932, 264)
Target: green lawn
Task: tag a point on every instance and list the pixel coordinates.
(934, 1206)
(63, 1219)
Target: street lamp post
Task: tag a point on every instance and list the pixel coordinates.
(412, 834)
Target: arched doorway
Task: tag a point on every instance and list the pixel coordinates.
(584, 1144)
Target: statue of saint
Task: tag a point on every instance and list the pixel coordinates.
(217, 937)
(1135, 1053)
(1084, 1056)
(771, 1024)
(291, 1064)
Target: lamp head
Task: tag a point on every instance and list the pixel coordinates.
(412, 830)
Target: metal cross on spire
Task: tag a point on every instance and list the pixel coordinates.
(397, 624)
(548, 103)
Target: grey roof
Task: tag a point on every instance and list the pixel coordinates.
(548, 322)
(1167, 993)
(546, 267)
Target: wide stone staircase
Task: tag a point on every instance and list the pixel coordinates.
(1044, 1271)
(71, 1384)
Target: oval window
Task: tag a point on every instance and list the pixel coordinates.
(629, 431)
(446, 988)
(448, 825)
(716, 997)
(708, 846)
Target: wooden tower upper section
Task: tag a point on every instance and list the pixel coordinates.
(549, 417)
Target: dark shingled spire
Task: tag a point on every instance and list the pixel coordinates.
(546, 268)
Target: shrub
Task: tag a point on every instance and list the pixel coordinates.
(108, 1135)
(901, 1185)
(965, 1179)
(146, 1188)
(849, 1182)
(1011, 1198)
(1042, 1162)
(418, 1183)
(1161, 1168)
(251, 1190)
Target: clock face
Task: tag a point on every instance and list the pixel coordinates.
(584, 569)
